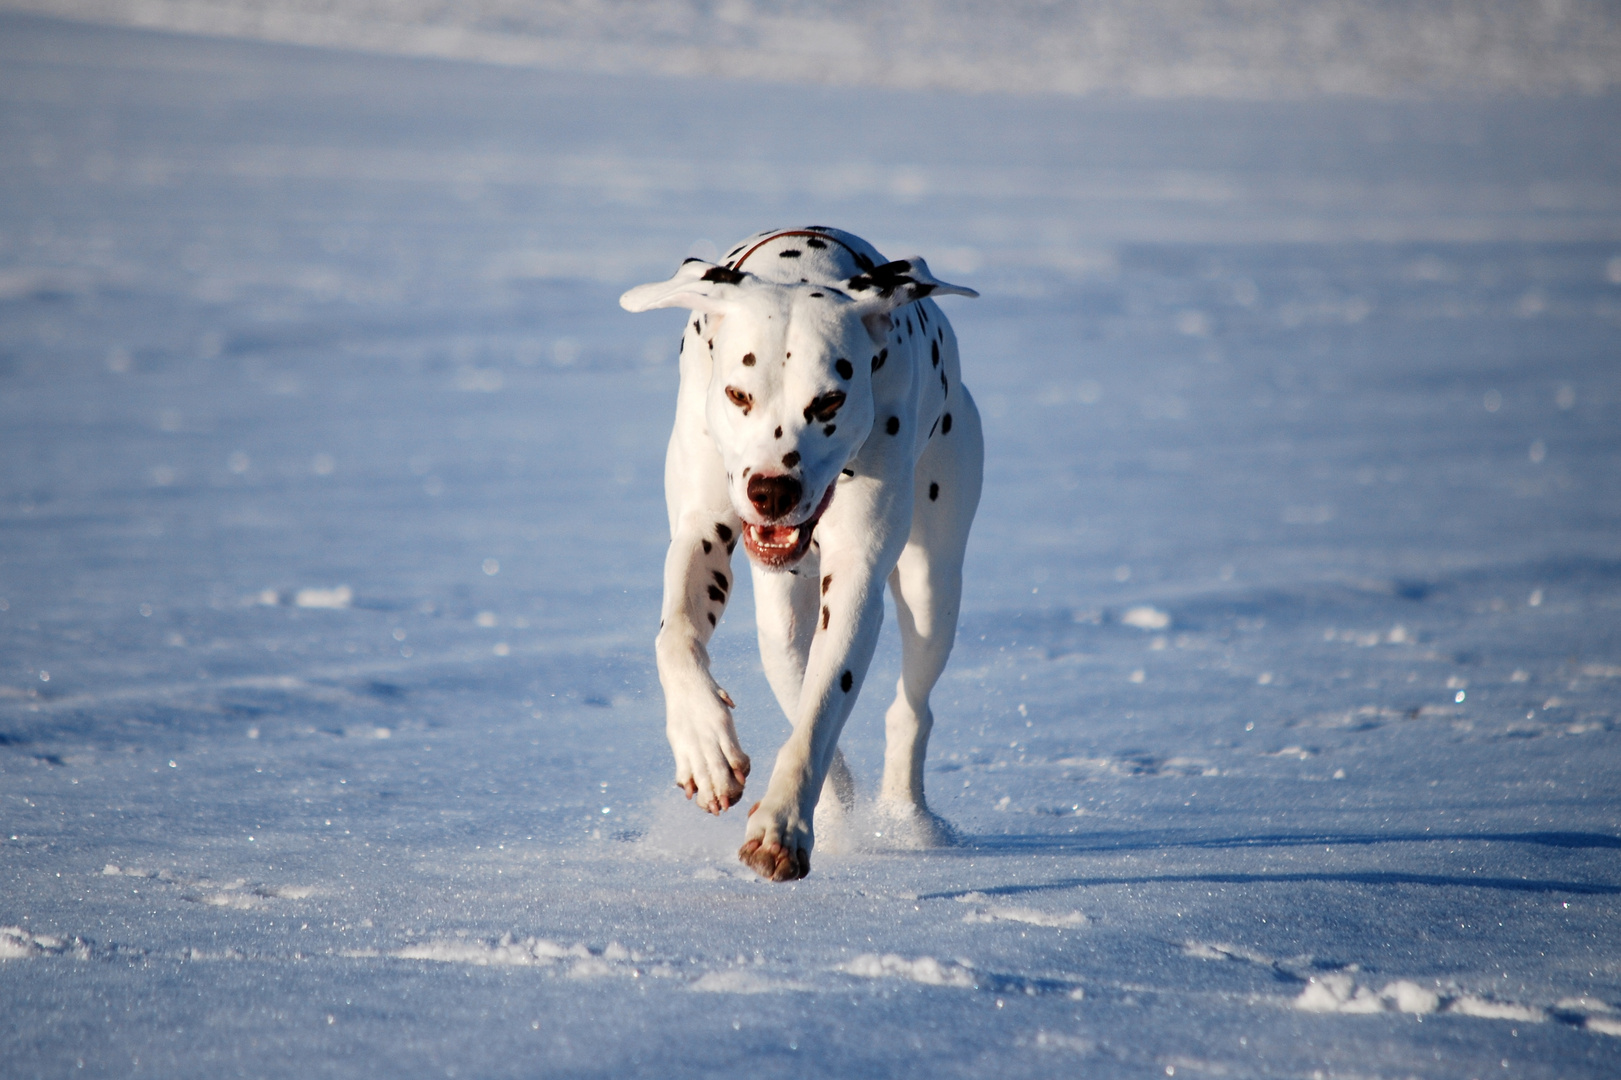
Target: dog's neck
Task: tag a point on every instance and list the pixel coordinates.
(820, 256)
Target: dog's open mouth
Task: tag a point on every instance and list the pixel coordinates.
(780, 546)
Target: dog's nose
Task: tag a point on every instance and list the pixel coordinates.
(774, 496)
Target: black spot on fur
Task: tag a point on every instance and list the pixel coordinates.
(790, 459)
(711, 618)
(842, 366)
(815, 243)
(748, 359)
(708, 547)
(723, 531)
(934, 492)
(945, 424)
(816, 294)
(731, 547)
(846, 681)
(935, 350)
(716, 595)
(878, 361)
(823, 407)
(696, 329)
(827, 583)
(720, 579)
(886, 278)
(893, 425)
(848, 472)
(943, 384)
(723, 275)
(829, 429)
(779, 433)
(825, 616)
(791, 253)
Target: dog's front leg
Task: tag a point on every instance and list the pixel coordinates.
(859, 546)
(710, 765)
(787, 612)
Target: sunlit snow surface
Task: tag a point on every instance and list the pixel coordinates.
(1281, 732)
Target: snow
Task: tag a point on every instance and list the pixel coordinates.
(999, 912)
(1281, 735)
(339, 597)
(925, 969)
(1167, 48)
(1340, 993)
(1145, 617)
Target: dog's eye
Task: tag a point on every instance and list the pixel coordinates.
(742, 400)
(823, 408)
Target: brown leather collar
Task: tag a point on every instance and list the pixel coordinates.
(738, 265)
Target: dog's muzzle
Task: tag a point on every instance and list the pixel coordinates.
(780, 546)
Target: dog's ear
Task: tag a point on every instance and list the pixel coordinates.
(881, 290)
(884, 288)
(698, 285)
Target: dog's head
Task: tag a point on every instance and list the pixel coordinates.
(790, 393)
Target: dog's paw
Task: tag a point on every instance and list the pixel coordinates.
(710, 765)
(909, 826)
(777, 845)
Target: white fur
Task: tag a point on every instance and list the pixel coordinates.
(802, 307)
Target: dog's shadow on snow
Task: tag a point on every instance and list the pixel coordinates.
(1104, 845)
(1372, 877)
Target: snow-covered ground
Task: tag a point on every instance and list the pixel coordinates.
(1254, 49)
(1284, 727)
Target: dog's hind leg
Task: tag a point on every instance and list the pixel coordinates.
(927, 586)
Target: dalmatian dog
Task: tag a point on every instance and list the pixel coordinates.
(821, 420)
